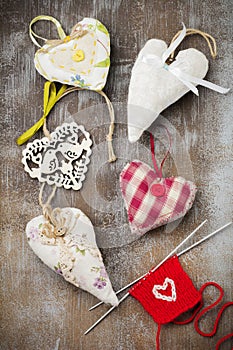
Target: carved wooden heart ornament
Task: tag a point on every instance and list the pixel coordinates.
(63, 159)
(151, 202)
(73, 255)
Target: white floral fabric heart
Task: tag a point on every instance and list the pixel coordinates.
(75, 255)
(153, 87)
(81, 61)
(61, 160)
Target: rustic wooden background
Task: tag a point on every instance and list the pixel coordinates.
(38, 307)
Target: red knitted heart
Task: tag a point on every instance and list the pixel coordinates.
(151, 201)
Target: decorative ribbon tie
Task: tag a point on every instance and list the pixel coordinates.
(188, 80)
(50, 98)
(57, 222)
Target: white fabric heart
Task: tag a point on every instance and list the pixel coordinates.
(81, 61)
(152, 89)
(155, 85)
(74, 255)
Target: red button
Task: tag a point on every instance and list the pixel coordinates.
(157, 190)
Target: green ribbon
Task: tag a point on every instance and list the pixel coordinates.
(50, 98)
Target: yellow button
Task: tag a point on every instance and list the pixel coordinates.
(78, 56)
(67, 39)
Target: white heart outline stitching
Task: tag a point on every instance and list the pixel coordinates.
(164, 287)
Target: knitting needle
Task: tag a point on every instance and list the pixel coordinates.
(184, 251)
(167, 257)
(204, 239)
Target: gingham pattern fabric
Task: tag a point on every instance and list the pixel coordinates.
(147, 211)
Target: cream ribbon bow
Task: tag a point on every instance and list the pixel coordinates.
(174, 68)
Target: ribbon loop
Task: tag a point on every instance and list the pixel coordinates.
(152, 146)
(174, 44)
(32, 34)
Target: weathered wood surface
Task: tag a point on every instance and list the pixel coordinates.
(38, 307)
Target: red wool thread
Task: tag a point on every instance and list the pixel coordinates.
(168, 292)
(197, 315)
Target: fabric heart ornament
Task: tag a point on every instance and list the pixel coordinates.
(164, 84)
(68, 246)
(62, 159)
(79, 59)
(151, 201)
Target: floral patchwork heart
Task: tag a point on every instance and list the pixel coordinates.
(81, 59)
(71, 251)
(151, 202)
(61, 160)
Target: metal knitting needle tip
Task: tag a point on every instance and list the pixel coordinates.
(106, 314)
(205, 238)
(167, 257)
(96, 305)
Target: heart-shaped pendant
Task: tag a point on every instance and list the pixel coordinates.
(162, 87)
(62, 160)
(72, 252)
(151, 202)
(81, 59)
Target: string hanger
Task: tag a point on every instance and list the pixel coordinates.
(191, 31)
(33, 35)
(76, 32)
(111, 154)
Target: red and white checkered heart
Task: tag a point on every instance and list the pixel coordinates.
(153, 202)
